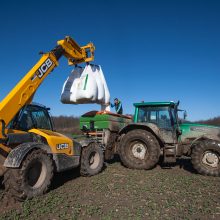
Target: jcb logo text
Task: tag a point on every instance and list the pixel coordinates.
(44, 67)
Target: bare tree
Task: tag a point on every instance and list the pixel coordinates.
(66, 124)
(212, 121)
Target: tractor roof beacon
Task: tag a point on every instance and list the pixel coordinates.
(156, 130)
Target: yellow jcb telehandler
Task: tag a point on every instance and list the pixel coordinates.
(30, 150)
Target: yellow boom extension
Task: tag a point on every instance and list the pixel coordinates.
(24, 91)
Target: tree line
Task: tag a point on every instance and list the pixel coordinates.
(66, 124)
(212, 121)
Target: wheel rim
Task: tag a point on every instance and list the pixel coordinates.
(210, 159)
(138, 150)
(36, 174)
(94, 160)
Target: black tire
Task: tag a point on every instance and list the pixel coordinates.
(92, 160)
(206, 158)
(139, 149)
(33, 178)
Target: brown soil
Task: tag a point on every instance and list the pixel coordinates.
(121, 193)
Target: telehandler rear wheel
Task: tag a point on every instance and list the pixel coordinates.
(139, 149)
(33, 178)
(92, 160)
(206, 158)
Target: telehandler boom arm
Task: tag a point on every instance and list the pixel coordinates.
(24, 91)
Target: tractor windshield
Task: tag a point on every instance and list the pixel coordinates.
(156, 115)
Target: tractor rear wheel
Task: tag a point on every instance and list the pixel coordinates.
(92, 160)
(33, 178)
(206, 158)
(139, 149)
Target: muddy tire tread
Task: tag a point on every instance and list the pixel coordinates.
(152, 145)
(197, 152)
(14, 179)
(85, 170)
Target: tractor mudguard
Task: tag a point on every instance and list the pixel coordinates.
(62, 161)
(86, 142)
(204, 137)
(146, 126)
(16, 156)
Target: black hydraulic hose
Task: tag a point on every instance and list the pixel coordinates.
(58, 52)
(3, 140)
(3, 128)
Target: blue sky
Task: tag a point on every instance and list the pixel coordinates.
(149, 50)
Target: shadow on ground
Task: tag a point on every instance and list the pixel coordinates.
(181, 163)
(1, 183)
(63, 177)
(66, 176)
(185, 163)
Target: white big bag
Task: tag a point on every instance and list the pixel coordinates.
(86, 85)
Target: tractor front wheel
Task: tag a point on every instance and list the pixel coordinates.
(92, 160)
(206, 157)
(139, 149)
(33, 178)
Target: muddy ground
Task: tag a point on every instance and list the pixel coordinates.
(121, 193)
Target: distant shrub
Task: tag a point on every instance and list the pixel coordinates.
(66, 124)
(212, 121)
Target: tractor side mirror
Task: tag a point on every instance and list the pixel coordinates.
(180, 121)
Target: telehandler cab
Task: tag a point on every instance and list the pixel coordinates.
(30, 150)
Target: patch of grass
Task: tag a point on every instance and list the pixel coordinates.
(122, 193)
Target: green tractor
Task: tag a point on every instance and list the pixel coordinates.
(156, 130)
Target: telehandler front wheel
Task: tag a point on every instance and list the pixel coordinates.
(206, 157)
(139, 149)
(92, 160)
(33, 178)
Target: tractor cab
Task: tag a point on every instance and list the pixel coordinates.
(163, 115)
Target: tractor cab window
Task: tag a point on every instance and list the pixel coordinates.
(156, 115)
(31, 117)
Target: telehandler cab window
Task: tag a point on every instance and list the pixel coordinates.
(31, 117)
(156, 115)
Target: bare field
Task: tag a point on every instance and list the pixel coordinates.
(121, 193)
